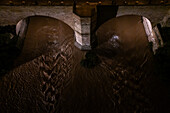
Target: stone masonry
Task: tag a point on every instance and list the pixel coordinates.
(83, 26)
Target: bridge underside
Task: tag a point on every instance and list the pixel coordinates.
(84, 20)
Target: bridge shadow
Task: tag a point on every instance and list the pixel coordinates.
(8, 49)
(105, 13)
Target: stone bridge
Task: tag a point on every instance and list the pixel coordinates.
(84, 26)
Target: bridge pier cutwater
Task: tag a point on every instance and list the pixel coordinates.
(85, 24)
(82, 19)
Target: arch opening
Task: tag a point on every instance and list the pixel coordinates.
(40, 35)
(128, 21)
(24, 21)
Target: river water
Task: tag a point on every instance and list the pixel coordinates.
(49, 78)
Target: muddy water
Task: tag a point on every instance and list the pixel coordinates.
(50, 79)
(42, 37)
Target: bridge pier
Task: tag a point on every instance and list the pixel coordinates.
(84, 28)
(82, 19)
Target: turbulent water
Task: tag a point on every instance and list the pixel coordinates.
(49, 78)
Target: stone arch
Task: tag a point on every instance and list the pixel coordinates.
(41, 15)
(23, 23)
(49, 36)
(154, 13)
(109, 27)
(148, 18)
(118, 16)
(152, 32)
(22, 26)
(12, 15)
(146, 22)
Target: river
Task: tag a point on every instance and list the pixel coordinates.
(49, 78)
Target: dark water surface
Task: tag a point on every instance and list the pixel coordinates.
(49, 77)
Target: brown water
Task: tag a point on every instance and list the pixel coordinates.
(50, 79)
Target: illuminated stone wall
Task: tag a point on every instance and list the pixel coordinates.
(84, 27)
(153, 34)
(21, 31)
(11, 15)
(84, 31)
(156, 14)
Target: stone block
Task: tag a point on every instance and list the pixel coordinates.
(78, 38)
(86, 39)
(85, 29)
(85, 20)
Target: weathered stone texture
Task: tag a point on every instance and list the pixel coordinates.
(81, 25)
(84, 27)
(12, 15)
(21, 31)
(155, 14)
(82, 32)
